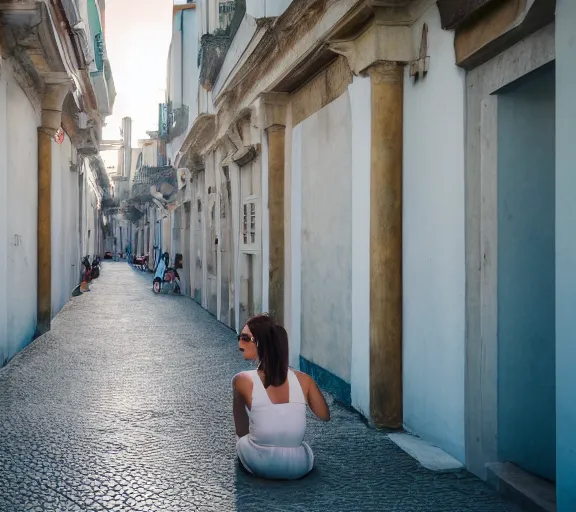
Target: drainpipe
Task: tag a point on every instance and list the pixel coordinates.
(54, 94)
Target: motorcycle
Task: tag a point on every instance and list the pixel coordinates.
(166, 278)
(95, 271)
(140, 262)
(90, 271)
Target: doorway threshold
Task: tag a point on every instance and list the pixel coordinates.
(528, 491)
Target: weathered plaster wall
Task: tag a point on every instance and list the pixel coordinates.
(245, 33)
(433, 245)
(183, 72)
(189, 61)
(21, 232)
(360, 104)
(266, 8)
(211, 214)
(65, 233)
(4, 349)
(293, 214)
(565, 256)
(326, 257)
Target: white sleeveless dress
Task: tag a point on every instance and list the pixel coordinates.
(275, 446)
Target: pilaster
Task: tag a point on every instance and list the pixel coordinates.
(54, 94)
(380, 52)
(386, 244)
(272, 109)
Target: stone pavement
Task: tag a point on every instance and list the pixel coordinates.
(126, 405)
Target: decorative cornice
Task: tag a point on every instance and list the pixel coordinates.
(39, 37)
(200, 135)
(455, 12)
(55, 90)
(377, 43)
(304, 39)
(498, 26)
(270, 110)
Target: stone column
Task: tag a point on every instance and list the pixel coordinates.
(53, 99)
(44, 231)
(273, 109)
(386, 244)
(381, 51)
(276, 212)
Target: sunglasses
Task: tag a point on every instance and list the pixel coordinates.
(245, 337)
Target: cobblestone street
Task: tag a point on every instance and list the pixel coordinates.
(126, 405)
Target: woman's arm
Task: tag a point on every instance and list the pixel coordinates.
(241, 421)
(317, 402)
(313, 396)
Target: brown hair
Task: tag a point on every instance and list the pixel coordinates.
(272, 346)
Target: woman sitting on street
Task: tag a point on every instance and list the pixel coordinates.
(270, 405)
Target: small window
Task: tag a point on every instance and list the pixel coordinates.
(249, 223)
(252, 223)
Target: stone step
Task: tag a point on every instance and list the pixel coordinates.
(528, 491)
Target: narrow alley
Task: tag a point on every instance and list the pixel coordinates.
(125, 405)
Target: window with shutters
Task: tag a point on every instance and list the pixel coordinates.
(249, 223)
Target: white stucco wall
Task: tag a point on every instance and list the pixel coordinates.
(190, 60)
(65, 233)
(245, 33)
(266, 8)
(183, 72)
(360, 103)
(3, 213)
(90, 219)
(433, 245)
(22, 206)
(293, 210)
(326, 242)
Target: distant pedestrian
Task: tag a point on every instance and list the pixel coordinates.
(270, 405)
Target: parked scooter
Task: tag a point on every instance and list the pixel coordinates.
(95, 272)
(90, 271)
(166, 278)
(140, 262)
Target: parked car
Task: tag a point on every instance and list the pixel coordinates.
(108, 255)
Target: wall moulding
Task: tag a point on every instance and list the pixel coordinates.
(377, 43)
(497, 27)
(324, 88)
(52, 102)
(309, 36)
(270, 110)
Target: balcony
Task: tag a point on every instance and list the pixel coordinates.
(213, 47)
(154, 183)
(177, 121)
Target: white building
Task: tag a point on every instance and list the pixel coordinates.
(381, 177)
(55, 91)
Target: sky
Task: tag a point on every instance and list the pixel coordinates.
(138, 34)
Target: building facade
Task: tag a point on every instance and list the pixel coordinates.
(56, 88)
(391, 180)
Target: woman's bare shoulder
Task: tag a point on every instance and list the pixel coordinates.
(242, 379)
(303, 378)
